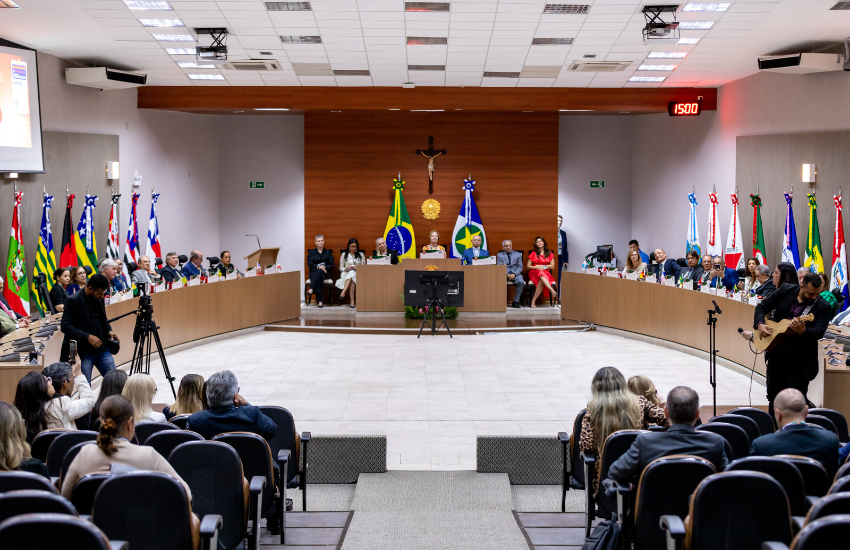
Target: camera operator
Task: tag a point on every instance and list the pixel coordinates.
(84, 320)
(722, 276)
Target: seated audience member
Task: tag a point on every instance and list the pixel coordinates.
(85, 321)
(320, 264)
(189, 397)
(513, 261)
(169, 272)
(31, 396)
(794, 436)
(785, 273)
(113, 447)
(843, 453)
(669, 266)
(109, 269)
(193, 268)
(14, 449)
(229, 411)
(122, 277)
(682, 410)
(540, 261)
(802, 273)
(750, 279)
(475, 252)
(348, 262)
(78, 280)
(433, 243)
(707, 265)
(58, 293)
(633, 245)
(111, 384)
(642, 385)
(694, 271)
(722, 276)
(612, 408)
(143, 274)
(73, 397)
(764, 286)
(140, 390)
(634, 263)
(224, 266)
(827, 293)
(382, 250)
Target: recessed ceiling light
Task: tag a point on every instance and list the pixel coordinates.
(427, 110)
(288, 6)
(683, 41)
(500, 74)
(711, 6)
(206, 77)
(270, 109)
(427, 40)
(180, 51)
(696, 25)
(551, 41)
(336, 111)
(161, 22)
(301, 39)
(575, 110)
(394, 109)
(657, 67)
(193, 65)
(667, 55)
(647, 79)
(174, 37)
(571, 9)
(9, 4)
(426, 6)
(148, 5)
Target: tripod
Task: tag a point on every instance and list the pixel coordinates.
(435, 307)
(712, 351)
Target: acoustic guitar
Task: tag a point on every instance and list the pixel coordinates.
(770, 343)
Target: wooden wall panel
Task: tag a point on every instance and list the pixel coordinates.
(350, 160)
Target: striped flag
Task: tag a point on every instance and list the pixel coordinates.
(814, 254)
(713, 246)
(734, 257)
(45, 259)
(84, 239)
(112, 242)
(758, 233)
(399, 231)
(468, 223)
(153, 250)
(693, 231)
(839, 255)
(15, 287)
(68, 253)
(131, 248)
(790, 251)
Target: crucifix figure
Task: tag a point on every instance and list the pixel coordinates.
(431, 154)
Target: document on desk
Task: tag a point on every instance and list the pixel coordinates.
(489, 260)
(382, 260)
(251, 272)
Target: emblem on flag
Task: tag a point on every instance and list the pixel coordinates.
(713, 247)
(758, 233)
(15, 287)
(814, 254)
(693, 232)
(839, 255)
(468, 223)
(734, 254)
(45, 259)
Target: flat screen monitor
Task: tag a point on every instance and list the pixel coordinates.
(604, 253)
(20, 113)
(419, 288)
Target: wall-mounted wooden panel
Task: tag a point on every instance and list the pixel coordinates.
(350, 160)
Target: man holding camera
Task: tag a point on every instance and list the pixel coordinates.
(84, 320)
(720, 275)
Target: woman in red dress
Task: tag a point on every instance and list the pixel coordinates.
(540, 261)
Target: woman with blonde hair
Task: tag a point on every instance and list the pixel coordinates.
(634, 263)
(433, 243)
(190, 397)
(643, 386)
(14, 449)
(139, 390)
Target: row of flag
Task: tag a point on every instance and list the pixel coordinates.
(733, 252)
(79, 247)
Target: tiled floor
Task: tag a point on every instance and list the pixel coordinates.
(432, 396)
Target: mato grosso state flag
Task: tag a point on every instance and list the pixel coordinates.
(399, 231)
(838, 278)
(734, 253)
(713, 246)
(693, 231)
(112, 241)
(468, 223)
(15, 286)
(68, 252)
(84, 239)
(814, 250)
(790, 251)
(758, 233)
(131, 249)
(45, 259)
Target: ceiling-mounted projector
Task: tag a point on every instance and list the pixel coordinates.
(104, 79)
(217, 51)
(802, 63)
(656, 29)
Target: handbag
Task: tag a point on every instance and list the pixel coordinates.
(605, 536)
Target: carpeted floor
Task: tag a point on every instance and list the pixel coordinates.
(545, 498)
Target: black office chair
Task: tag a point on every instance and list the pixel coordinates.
(88, 269)
(747, 424)
(213, 472)
(837, 419)
(576, 464)
(84, 491)
(131, 267)
(158, 263)
(840, 486)
(52, 531)
(683, 262)
(830, 505)
(824, 533)
(166, 441)
(735, 435)
(762, 418)
(822, 421)
(842, 472)
(43, 440)
(69, 458)
(22, 481)
(146, 429)
(60, 447)
(783, 471)
(813, 472)
(181, 420)
(157, 515)
(284, 438)
(16, 503)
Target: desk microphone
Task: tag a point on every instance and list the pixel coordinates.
(258, 239)
(842, 341)
(740, 330)
(717, 308)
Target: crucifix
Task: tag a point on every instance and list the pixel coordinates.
(431, 154)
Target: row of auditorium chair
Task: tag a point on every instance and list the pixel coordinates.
(755, 500)
(231, 477)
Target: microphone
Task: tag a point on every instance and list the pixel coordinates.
(740, 330)
(717, 308)
(258, 239)
(840, 340)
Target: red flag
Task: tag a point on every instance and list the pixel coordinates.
(68, 256)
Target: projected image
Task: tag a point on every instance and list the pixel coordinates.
(15, 124)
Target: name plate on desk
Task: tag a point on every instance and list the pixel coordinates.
(383, 260)
(707, 290)
(270, 269)
(432, 254)
(737, 296)
(669, 281)
(591, 271)
(753, 300)
(613, 274)
(651, 279)
(632, 276)
(489, 260)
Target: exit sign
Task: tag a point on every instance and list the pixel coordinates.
(257, 185)
(599, 183)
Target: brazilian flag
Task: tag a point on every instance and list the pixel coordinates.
(399, 231)
(814, 251)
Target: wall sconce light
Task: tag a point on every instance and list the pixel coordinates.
(810, 173)
(11, 175)
(112, 170)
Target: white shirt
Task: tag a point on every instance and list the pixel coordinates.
(154, 416)
(62, 411)
(475, 251)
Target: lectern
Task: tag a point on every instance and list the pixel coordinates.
(262, 256)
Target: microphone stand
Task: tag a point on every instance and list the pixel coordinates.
(712, 357)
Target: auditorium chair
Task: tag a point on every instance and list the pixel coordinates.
(151, 510)
(783, 471)
(762, 418)
(574, 469)
(824, 533)
(830, 505)
(837, 419)
(88, 270)
(166, 441)
(655, 496)
(843, 471)
(146, 429)
(732, 511)
(735, 435)
(814, 474)
(21, 481)
(284, 438)
(52, 531)
(42, 442)
(16, 503)
(615, 446)
(180, 420)
(257, 461)
(84, 491)
(131, 267)
(840, 486)
(69, 458)
(213, 471)
(60, 447)
(747, 424)
(821, 421)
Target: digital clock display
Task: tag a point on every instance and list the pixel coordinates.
(690, 108)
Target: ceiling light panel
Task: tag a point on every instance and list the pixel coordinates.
(667, 55)
(686, 41)
(551, 41)
(647, 79)
(161, 23)
(288, 6)
(570, 9)
(174, 37)
(426, 6)
(301, 39)
(712, 6)
(193, 65)
(426, 67)
(696, 25)
(148, 5)
(427, 40)
(500, 74)
(354, 72)
(180, 51)
(195, 76)
(657, 67)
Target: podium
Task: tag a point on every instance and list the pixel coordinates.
(262, 256)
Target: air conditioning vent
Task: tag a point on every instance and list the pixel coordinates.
(103, 78)
(301, 39)
(598, 66)
(426, 40)
(572, 9)
(426, 67)
(551, 41)
(253, 65)
(802, 63)
(497, 74)
(540, 71)
(426, 6)
(351, 72)
(288, 6)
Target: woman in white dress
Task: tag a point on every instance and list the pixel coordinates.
(349, 260)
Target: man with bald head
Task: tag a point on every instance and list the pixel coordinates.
(794, 436)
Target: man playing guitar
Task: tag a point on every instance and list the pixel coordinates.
(794, 362)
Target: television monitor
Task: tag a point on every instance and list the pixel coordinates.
(604, 253)
(20, 112)
(419, 288)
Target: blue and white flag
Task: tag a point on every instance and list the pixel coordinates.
(468, 223)
(153, 250)
(693, 231)
(790, 252)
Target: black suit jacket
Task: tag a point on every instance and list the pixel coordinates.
(678, 439)
(78, 322)
(232, 419)
(672, 268)
(801, 439)
(169, 274)
(766, 289)
(314, 259)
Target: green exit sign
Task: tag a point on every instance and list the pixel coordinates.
(257, 185)
(599, 183)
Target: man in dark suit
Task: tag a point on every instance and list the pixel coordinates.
(475, 252)
(382, 250)
(84, 320)
(669, 267)
(193, 266)
(229, 411)
(513, 262)
(795, 437)
(722, 276)
(682, 409)
(694, 271)
(169, 273)
(794, 362)
(765, 282)
(563, 253)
